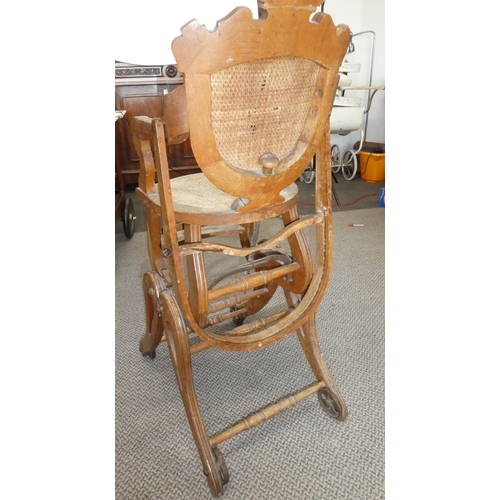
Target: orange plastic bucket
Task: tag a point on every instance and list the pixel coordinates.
(372, 166)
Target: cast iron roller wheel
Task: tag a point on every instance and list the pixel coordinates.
(335, 158)
(308, 174)
(350, 165)
(128, 218)
(329, 403)
(221, 465)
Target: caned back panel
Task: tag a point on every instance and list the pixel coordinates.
(261, 106)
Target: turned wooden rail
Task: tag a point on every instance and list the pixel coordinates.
(252, 281)
(265, 414)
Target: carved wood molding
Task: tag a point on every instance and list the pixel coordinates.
(137, 74)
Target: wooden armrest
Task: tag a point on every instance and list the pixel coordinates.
(141, 127)
(151, 200)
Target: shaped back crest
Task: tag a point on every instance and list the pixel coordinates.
(259, 94)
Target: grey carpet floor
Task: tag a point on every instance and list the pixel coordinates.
(301, 454)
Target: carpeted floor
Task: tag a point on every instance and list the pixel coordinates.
(301, 454)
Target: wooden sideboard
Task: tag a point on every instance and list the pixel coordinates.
(139, 90)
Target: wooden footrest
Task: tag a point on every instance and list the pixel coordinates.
(265, 414)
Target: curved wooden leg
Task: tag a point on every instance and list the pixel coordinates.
(152, 284)
(177, 339)
(198, 298)
(153, 225)
(300, 253)
(330, 398)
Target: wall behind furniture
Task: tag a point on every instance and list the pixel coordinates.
(146, 43)
(157, 22)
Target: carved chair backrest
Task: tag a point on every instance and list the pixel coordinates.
(258, 94)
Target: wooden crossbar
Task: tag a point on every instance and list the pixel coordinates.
(199, 347)
(232, 301)
(220, 318)
(306, 220)
(252, 281)
(255, 325)
(265, 414)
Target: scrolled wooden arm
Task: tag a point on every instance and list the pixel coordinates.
(141, 128)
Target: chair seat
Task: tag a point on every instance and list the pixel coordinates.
(194, 196)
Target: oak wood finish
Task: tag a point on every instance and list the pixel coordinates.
(249, 157)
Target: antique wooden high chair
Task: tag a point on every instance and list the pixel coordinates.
(255, 102)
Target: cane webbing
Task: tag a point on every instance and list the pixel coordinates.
(195, 193)
(261, 107)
